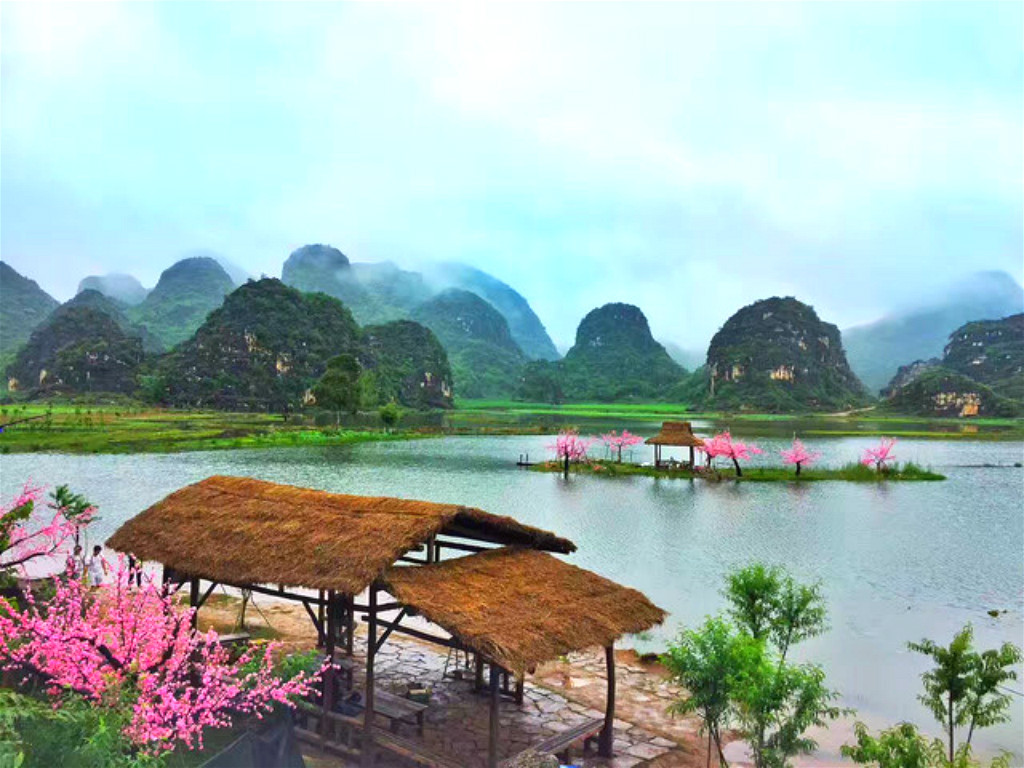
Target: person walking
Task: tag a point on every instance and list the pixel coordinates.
(76, 564)
(96, 567)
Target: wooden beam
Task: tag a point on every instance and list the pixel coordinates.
(206, 594)
(492, 740)
(437, 640)
(316, 623)
(193, 599)
(368, 757)
(389, 629)
(604, 744)
(440, 543)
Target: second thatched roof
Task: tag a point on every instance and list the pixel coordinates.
(240, 531)
(522, 607)
(676, 433)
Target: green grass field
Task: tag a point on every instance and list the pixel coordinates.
(124, 429)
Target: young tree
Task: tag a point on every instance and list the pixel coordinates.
(903, 746)
(705, 661)
(963, 689)
(338, 389)
(120, 647)
(616, 442)
(389, 415)
(947, 686)
(798, 455)
(986, 702)
(723, 445)
(880, 455)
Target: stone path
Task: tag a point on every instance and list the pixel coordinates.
(457, 720)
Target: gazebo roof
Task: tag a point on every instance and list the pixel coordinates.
(521, 607)
(676, 433)
(242, 531)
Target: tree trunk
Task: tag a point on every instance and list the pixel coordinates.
(709, 748)
(567, 465)
(798, 469)
(739, 472)
(951, 729)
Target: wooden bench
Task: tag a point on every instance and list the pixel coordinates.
(413, 751)
(560, 743)
(238, 638)
(399, 710)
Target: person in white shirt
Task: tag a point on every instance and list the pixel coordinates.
(96, 567)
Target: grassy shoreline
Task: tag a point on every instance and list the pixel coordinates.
(131, 428)
(851, 473)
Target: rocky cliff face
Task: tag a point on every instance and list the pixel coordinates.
(777, 355)
(23, 307)
(405, 362)
(78, 349)
(115, 310)
(615, 357)
(981, 373)
(485, 359)
(185, 294)
(992, 352)
(262, 350)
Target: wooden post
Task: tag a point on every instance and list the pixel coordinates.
(371, 652)
(492, 742)
(604, 745)
(327, 698)
(691, 458)
(478, 672)
(193, 599)
(321, 640)
(350, 624)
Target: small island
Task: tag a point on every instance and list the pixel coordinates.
(877, 465)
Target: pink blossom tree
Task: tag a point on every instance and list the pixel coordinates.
(798, 455)
(722, 444)
(570, 447)
(20, 544)
(616, 442)
(880, 455)
(120, 647)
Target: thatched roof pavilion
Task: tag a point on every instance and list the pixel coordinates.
(240, 531)
(521, 607)
(674, 433)
(514, 604)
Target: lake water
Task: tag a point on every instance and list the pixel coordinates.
(898, 561)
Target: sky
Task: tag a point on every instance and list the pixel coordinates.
(685, 157)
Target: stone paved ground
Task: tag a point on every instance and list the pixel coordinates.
(554, 700)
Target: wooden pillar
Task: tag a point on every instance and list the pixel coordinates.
(350, 624)
(371, 652)
(604, 744)
(327, 699)
(321, 639)
(478, 672)
(691, 457)
(193, 599)
(492, 741)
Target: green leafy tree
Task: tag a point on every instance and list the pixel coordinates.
(964, 687)
(947, 686)
(338, 389)
(902, 746)
(704, 662)
(987, 703)
(389, 415)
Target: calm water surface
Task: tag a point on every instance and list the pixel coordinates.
(899, 561)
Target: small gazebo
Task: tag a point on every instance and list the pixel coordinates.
(489, 581)
(674, 433)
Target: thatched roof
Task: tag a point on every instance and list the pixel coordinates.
(676, 433)
(521, 607)
(242, 531)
